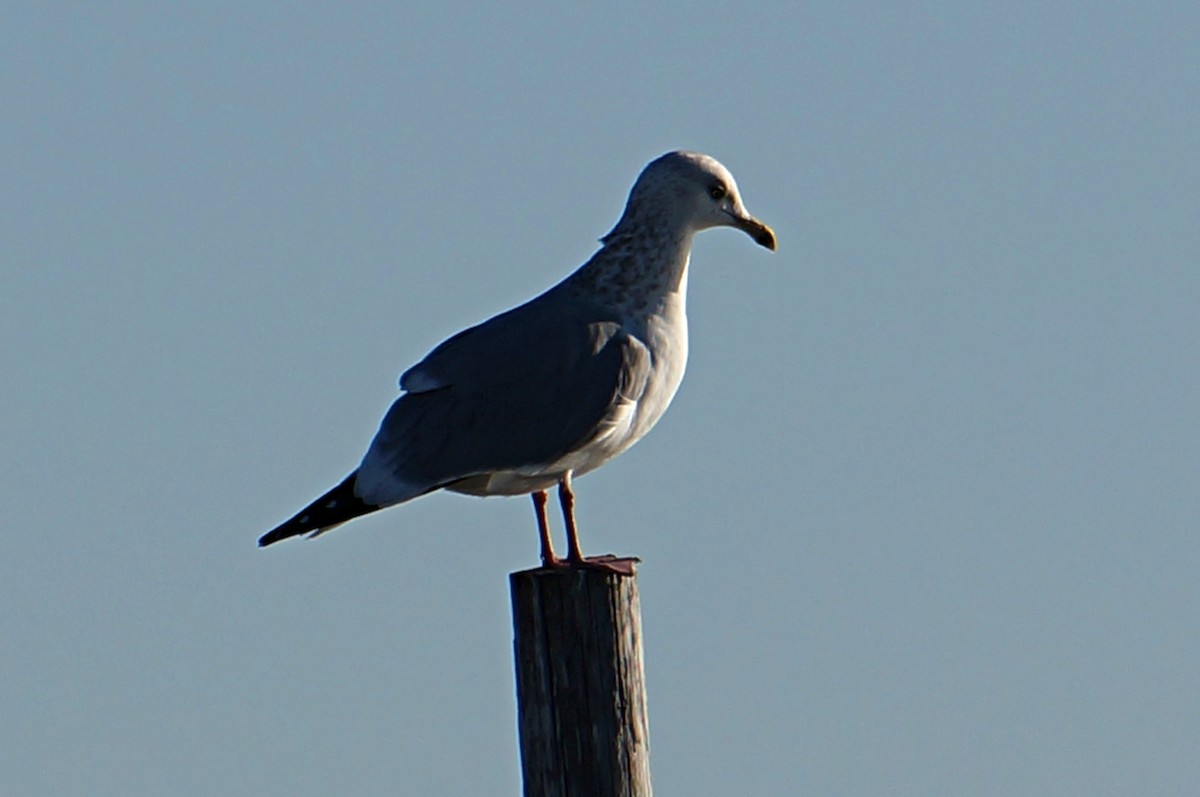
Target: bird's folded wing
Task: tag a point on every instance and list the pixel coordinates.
(523, 388)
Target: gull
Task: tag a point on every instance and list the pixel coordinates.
(550, 390)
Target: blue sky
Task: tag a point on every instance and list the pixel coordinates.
(922, 519)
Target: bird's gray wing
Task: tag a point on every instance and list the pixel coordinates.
(523, 388)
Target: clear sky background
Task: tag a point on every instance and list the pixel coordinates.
(922, 519)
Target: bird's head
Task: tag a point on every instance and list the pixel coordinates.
(691, 192)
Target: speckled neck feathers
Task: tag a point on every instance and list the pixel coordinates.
(635, 270)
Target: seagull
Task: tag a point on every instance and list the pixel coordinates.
(550, 390)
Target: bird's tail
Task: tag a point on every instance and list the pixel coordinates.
(332, 509)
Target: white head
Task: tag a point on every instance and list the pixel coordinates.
(689, 192)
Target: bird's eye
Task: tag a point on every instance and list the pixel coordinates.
(716, 191)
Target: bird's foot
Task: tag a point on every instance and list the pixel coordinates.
(621, 565)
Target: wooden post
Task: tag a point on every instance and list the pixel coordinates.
(581, 698)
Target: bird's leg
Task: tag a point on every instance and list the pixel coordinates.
(566, 498)
(575, 557)
(549, 558)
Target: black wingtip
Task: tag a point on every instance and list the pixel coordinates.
(270, 537)
(331, 509)
(292, 528)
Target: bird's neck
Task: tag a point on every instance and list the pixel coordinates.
(637, 273)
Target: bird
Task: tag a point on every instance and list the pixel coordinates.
(550, 390)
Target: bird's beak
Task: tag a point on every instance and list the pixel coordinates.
(761, 233)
